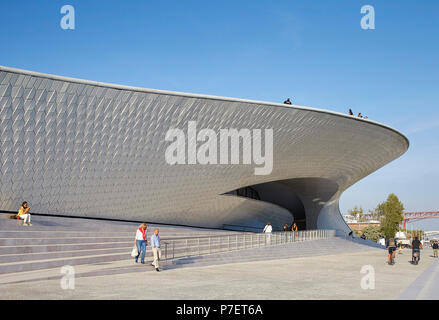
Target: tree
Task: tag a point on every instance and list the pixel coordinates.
(391, 212)
(373, 214)
(372, 233)
(415, 233)
(356, 212)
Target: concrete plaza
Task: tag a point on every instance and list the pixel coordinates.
(335, 276)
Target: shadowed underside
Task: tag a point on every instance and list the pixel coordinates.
(84, 148)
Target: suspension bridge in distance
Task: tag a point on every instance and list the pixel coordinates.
(415, 216)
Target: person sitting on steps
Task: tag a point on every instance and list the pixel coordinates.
(23, 213)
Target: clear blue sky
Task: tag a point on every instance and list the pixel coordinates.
(312, 51)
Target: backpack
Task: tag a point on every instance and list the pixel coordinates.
(391, 242)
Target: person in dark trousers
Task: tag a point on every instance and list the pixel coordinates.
(435, 247)
(294, 227)
(416, 248)
(287, 101)
(391, 245)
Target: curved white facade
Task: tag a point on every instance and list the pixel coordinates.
(84, 148)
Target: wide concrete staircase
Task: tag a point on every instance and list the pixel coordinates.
(334, 245)
(53, 242)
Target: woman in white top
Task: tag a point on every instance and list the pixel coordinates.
(268, 228)
(140, 242)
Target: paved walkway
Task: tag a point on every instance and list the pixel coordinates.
(335, 276)
(426, 286)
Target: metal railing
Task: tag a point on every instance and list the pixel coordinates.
(187, 247)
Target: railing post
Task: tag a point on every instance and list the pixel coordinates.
(166, 251)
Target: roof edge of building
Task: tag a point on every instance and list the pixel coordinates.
(194, 95)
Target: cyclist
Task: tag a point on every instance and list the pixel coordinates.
(416, 248)
(391, 245)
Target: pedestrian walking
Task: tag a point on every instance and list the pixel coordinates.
(155, 246)
(140, 242)
(267, 230)
(294, 227)
(435, 247)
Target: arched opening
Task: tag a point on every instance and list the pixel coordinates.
(304, 198)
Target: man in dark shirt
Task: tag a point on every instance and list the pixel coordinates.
(435, 247)
(416, 247)
(287, 101)
(391, 246)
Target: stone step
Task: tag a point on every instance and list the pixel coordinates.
(291, 250)
(78, 234)
(43, 241)
(62, 234)
(59, 262)
(59, 254)
(61, 247)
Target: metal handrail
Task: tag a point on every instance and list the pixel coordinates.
(197, 246)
